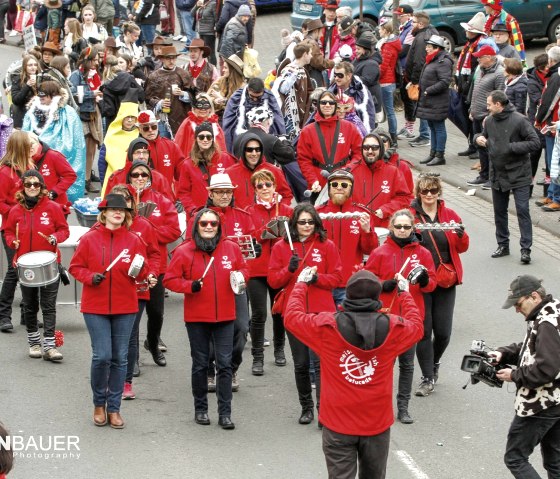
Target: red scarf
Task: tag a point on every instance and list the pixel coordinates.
(197, 120)
(464, 64)
(542, 76)
(196, 69)
(491, 19)
(431, 56)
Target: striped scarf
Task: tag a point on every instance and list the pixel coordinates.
(515, 37)
(464, 64)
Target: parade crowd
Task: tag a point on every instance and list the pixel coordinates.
(280, 197)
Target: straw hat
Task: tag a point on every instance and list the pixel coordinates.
(220, 181)
(476, 23)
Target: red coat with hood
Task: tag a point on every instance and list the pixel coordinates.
(384, 182)
(324, 255)
(166, 158)
(10, 184)
(97, 249)
(349, 237)
(405, 167)
(235, 221)
(309, 153)
(388, 259)
(390, 51)
(185, 136)
(46, 217)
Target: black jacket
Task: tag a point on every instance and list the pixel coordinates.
(433, 102)
(275, 149)
(552, 87)
(416, 57)
(21, 96)
(114, 92)
(517, 94)
(535, 87)
(367, 68)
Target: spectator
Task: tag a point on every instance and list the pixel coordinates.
(202, 72)
(235, 37)
(186, 11)
(496, 14)
(74, 42)
(146, 15)
(204, 14)
(329, 34)
(367, 68)
(226, 85)
(93, 32)
(501, 37)
(345, 37)
(536, 80)
(126, 42)
(319, 62)
(516, 84)
(105, 11)
(24, 88)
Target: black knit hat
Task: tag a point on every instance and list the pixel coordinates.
(136, 164)
(33, 174)
(363, 284)
(204, 126)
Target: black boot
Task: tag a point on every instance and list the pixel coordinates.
(469, 151)
(394, 142)
(438, 160)
(430, 157)
(90, 188)
(258, 367)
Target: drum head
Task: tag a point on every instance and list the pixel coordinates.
(36, 258)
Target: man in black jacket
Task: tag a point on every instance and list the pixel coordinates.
(509, 138)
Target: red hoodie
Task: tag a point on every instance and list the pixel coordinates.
(390, 54)
(215, 301)
(10, 184)
(184, 138)
(46, 217)
(405, 167)
(309, 152)
(159, 183)
(167, 158)
(97, 249)
(356, 385)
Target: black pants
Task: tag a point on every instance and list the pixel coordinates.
(134, 342)
(406, 375)
(301, 355)
(45, 296)
(9, 285)
(439, 306)
(210, 41)
(536, 156)
(154, 311)
(409, 105)
(500, 200)
(482, 153)
(344, 453)
(257, 289)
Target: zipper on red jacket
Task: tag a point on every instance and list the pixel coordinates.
(30, 231)
(110, 272)
(215, 291)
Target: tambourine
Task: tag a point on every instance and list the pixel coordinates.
(415, 273)
(237, 282)
(136, 266)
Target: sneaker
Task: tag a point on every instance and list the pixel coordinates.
(35, 351)
(161, 346)
(266, 342)
(52, 355)
(128, 393)
(406, 135)
(211, 385)
(178, 38)
(487, 185)
(6, 326)
(420, 142)
(425, 388)
(234, 383)
(525, 256)
(13, 33)
(478, 181)
(184, 38)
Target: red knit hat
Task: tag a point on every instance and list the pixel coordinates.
(494, 4)
(485, 50)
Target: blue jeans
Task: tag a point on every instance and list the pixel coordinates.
(553, 190)
(109, 335)
(424, 130)
(201, 335)
(438, 134)
(186, 20)
(134, 342)
(387, 95)
(148, 35)
(339, 295)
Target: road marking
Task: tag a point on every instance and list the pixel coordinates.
(411, 465)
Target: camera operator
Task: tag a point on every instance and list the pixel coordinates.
(537, 377)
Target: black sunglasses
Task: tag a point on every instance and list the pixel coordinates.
(370, 147)
(433, 191)
(205, 137)
(267, 184)
(305, 222)
(251, 149)
(139, 175)
(336, 184)
(212, 223)
(327, 102)
(32, 184)
(149, 127)
(339, 75)
(402, 227)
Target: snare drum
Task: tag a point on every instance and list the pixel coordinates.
(136, 266)
(237, 282)
(37, 268)
(382, 234)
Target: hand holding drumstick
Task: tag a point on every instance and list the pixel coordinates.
(16, 241)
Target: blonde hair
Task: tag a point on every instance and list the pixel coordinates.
(75, 28)
(18, 154)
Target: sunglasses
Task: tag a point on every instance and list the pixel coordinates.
(150, 127)
(339, 75)
(205, 137)
(305, 222)
(336, 184)
(255, 97)
(32, 184)
(213, 223)
(433, 191)
(204, 105)
(521, 301)
(139, 175)
(327, 102)
(253, 149)
(266, 184)
(222, 192)
(370, 147)
(402, 227)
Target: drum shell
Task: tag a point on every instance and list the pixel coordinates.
(43, 272)
(237, 282)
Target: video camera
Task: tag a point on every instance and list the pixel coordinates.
(481, 366)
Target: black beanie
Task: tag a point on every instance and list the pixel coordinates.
(136, 164)
(33, 174)
(363, 284)
(204, 126)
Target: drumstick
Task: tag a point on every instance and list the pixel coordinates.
(276, 198)
(404, 265)
(43, 235)
(207, 268)
(288, 234)
(137, 197)
(114, 262)
(17, 231)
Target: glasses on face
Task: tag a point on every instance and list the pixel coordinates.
(433, 191)
(139, 175)
(521, 301)
(141, 152)
(327, 102)
(255, 96)
(204, 224)
(266, 184)
(370, 147)
(305, 222)
(253, 149)
(149, 127)
(205, 137)
(402, 227)
(223, 192)
(339, 75)
(32, 184)
(336, 184)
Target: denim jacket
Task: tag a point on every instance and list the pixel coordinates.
(88, 103)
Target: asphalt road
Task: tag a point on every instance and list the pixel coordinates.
(457, 433)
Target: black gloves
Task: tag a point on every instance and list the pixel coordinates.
(389, 285)
(53, 195)
(460, 230)
(313, 279)
(196, 286)
(97, 278)
(423, 279)
(52, 240)
(179, 206)
(258, 248)
(294, 263)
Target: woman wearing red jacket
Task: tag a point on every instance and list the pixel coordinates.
(109, 302)
(14, 163)
(265, 209)
(166, 225)
(209, 308)
(445, 247)
(393, 260)
(310, 248)
(37, 224)
(205, 159)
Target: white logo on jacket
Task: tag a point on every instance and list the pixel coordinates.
(166, 160)
(354, 227)
(45, 170)
(356, 371)
(125, 258)
(226, 263)
(45, 218)
(341, 139)
(385, 187)
(316, 256)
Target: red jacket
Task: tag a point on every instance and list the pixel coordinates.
(405, 167)
(261, 217)
(385, 183)
(324, 255)
(309, 153)
(191, 188)
(216, 300)
(97, 249)
(244, 194)
(159, 183)
(235, 222)
(164, 220)
(350, 239)
(456, 245)
(167, 158)
(57, 173)
(390, 54)
(145, 230)
(388, 259)
(184, 138)
(356, 385)
(46, 217)
(10, 184)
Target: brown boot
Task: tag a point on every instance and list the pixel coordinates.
(99, 416)
(115, 420)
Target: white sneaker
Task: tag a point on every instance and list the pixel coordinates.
(35, 351)
(177, 37)
(13, 33)
(184, 38)
(52, 355)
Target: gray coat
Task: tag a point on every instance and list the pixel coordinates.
(206, 18)
(485, 81)
(233, 39)
(433, 102)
